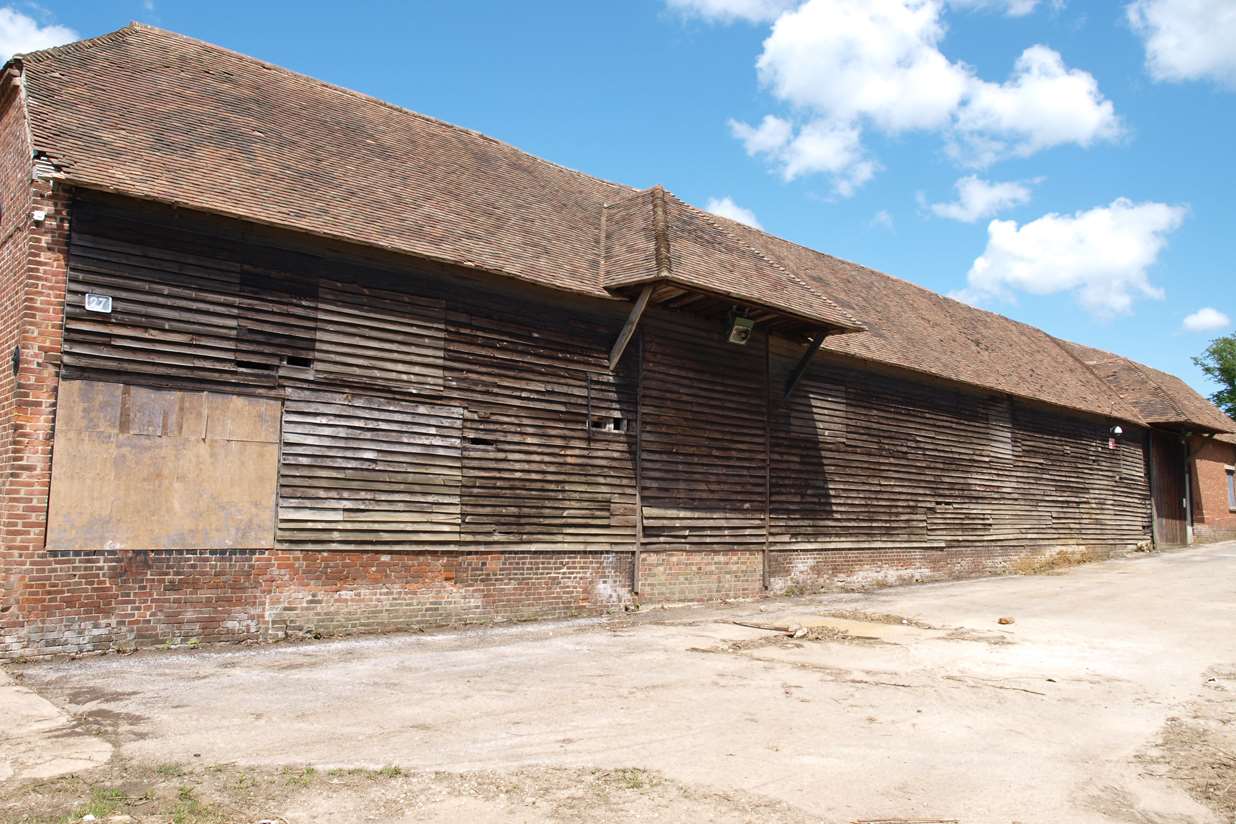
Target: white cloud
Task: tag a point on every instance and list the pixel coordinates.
(1013, 8)
(820, 146)
(1187, 39)
(769, 137)
(20, 34)
(1206, 319)
(883, 220)
(847, 59)
(978, 199)
(1043, 104)
(726, 207)
(849, 66)
(1102, 255)
(726, 11)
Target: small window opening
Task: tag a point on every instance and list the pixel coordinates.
(1231, 488)
(610, 424)
(481, 442)
(298, 360)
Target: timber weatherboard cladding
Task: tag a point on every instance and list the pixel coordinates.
(420, 411)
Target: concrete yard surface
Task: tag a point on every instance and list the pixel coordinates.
(1110, 697)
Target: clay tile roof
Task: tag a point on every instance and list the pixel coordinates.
(156, 115)
(1159, 397)
(653, 236)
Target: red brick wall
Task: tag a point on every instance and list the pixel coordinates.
(868, 568)
(1213, 520)
(77, 602)
(32, 284)
(699, 575)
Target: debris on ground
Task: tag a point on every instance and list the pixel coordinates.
(1198, 748)
(1006, 620)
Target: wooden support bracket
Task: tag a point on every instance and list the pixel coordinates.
(628, 329)
(801, 367)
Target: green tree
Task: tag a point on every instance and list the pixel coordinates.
(1219, 364)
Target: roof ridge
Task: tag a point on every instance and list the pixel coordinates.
(77, 45)
(660, 232)
(136, 26)
(709, 218)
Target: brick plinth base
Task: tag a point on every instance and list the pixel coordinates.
(866, 569)
(71, 603)
(79, 602)
(1208, 534)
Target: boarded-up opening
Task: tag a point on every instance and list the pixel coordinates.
(138, 468)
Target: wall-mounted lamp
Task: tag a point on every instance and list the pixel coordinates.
(1113, 433)
(39, 215)
(740, 330)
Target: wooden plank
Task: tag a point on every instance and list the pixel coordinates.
(801, 367)
(359, 470)
(628, 329)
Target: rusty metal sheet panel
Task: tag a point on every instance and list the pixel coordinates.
(139, 468)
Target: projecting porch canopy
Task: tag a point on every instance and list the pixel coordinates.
(658, 250)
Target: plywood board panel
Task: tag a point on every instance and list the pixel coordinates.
(136, 468)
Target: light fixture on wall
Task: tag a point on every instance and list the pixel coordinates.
(740, 329)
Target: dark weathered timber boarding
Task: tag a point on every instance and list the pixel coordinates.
(419, 414)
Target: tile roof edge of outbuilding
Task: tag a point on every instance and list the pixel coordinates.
(1147, 372)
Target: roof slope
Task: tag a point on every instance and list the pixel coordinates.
(157, 115)
(1159, 397)
(653, 236)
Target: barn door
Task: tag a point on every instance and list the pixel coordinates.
(1168, 463)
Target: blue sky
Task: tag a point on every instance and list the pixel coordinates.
(1093, 141)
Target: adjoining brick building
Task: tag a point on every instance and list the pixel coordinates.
(285, 358)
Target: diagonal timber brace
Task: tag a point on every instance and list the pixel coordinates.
(801, 367)
(628, 329)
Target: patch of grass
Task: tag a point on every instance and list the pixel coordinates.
(300, 777)
(627, 778)
(188, 809)
(389, 771)
(104, 801)
(169, 770)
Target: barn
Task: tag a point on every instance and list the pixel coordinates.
(286, 359)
